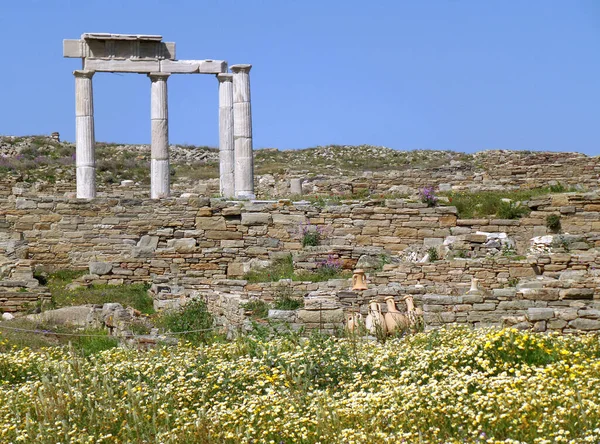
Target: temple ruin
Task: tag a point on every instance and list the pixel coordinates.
(148, 54)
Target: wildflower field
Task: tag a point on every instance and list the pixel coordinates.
(456, 385)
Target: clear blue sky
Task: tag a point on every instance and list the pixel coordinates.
(464, 75)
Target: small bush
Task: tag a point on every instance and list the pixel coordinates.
(553, 222)
(511, 210)
(284, 300)
(433, 254)
(311, 239)
(428, 196)
(258, 309)
(192, 316)
(282, 268)
(329, 269)
(558, 188)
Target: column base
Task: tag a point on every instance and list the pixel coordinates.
(159, 179)
(246, 195)
(86, 182)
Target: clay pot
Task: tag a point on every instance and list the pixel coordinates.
(353, 321)
(474, 287)
(413, 314)
(359, 280)
(394, 319)
(375, 319)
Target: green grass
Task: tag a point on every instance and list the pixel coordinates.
(489, 203)
(134, 295)
(85, 342)
(284, 269)
(191, 317)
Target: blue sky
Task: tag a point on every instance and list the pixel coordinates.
(421, 74)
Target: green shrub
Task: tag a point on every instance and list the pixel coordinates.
(258, 309)
(191, 317)
(558, 188)
(311, 238)
(284, 300)
(282, 268)
(553, 222)
(511, 210)
(433, 254)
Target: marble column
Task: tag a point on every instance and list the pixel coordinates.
(85, 142)
(159, 148)
(242, 132)
(226, 145)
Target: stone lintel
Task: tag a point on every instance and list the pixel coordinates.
(119, 49)
(193, 66)
(134, 66)
(73, 48)
(109, 36)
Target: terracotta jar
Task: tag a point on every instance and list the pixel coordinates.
(359, 280)
(413, 314)
(375, 319)
(394, 319)
(353, 321)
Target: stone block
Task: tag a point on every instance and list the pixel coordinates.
(184, 245)
(577, 293)
(223, 235)
(585, 324)
(432, 242)
(539, 327)
(289, 219)
(476, 238)
(145, 247)
(211, 223)
(540, 314)
(316, 316)
(24, 204)
(256, 218)
(519, 272)
(442, 300)
(100, 268)
(515, 305)
(556, 324)
(472, 222)
(540, 294)
(487, 306)
(448, 316)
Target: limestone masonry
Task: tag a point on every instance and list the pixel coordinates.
(199, 247)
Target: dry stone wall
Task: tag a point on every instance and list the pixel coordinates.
(202, 246)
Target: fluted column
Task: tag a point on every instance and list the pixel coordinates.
(242, 132)
(85, 141)
(159, 152)
(226, 144)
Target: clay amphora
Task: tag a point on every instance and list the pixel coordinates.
(413, 314)
(353, 321)
(394, 319)
(474, 287)
(375, 320)
(359, 280)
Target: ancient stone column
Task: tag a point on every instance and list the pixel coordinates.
(226, 145)
(85, 142)
(159, 148)
(242, 132)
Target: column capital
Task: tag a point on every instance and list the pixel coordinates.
(240, 68)
(82, 73)
(154, 76)
(225, 77)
